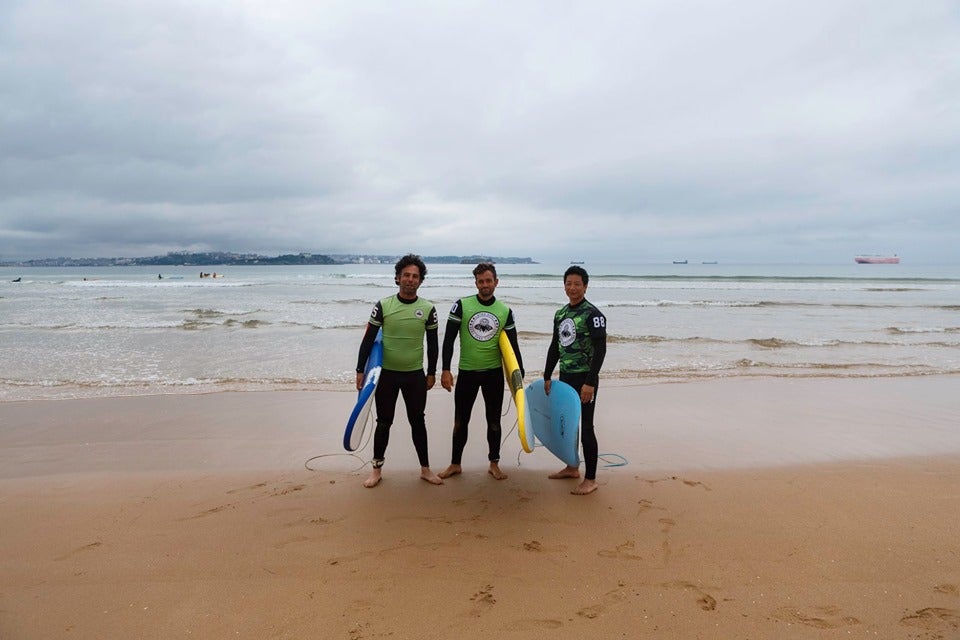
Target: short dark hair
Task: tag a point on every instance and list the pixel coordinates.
(406, 261)
(577, 270)
(485, 266)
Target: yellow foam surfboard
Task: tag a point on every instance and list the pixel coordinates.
(511, 369)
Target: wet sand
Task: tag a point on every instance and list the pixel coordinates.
(746, 509)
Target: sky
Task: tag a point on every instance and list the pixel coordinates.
(625, 132)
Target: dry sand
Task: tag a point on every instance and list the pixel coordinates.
(747, 509)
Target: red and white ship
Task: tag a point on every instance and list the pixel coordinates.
(894, 259)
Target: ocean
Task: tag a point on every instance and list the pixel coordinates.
(85, 332)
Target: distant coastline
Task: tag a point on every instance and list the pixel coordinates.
(187, 259)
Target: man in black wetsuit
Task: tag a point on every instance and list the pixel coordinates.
(405, 319)
(579, 344)
(478, 320)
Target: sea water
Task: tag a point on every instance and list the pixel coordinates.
(83, 332)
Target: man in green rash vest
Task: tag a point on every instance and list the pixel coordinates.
(478, 321)
(579, 345)
(405, 320)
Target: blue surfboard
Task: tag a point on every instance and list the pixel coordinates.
(357, 423)
(556, 419)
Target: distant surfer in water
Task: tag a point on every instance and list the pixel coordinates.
(405, 320)
(579, 344)
(478, 321)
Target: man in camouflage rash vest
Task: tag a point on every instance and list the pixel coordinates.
(579, 345)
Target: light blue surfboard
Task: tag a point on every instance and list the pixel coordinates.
(357, 423)
(556, 419)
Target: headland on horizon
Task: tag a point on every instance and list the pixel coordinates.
(227, 258)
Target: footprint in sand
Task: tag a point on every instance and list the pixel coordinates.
(259, 485)
(609, 599)
(282, 491)
(592, 611)
(826, 617)
(222, 507)
(696, 483)
(358, 631)
(933, 619)
(704, 600)
(689, 483)
(484, 599)
(949, 589)
(666, 524)
(475, 535)
(647, 505)
(538, 547)
(622, 551)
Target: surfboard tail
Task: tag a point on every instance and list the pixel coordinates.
(524, 428)
(360, 416)
(511, 371)
(555, 419)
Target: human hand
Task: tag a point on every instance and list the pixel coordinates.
(446, 380)
(586, 394)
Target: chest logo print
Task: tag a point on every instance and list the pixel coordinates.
(568, 332)
(483, 326)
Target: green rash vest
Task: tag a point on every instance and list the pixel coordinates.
(480, 327)
(404, 325)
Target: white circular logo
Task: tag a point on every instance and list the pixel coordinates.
(418, 313)
(483, 326)
(568, 332)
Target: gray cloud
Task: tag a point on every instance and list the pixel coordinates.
(618, 130)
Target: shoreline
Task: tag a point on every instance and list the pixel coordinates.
(712, 424)
(346, 386)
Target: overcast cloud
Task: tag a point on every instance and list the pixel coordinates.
(642, 131)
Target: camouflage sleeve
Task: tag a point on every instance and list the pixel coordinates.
(598, 336)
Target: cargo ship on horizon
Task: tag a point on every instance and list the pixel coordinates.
(894, 259)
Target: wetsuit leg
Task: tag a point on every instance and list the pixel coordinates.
(414, 389)
(464, 395)
(588, 435)
(492, 387)
(386, 401)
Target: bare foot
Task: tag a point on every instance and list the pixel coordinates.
(373, 479)
(452, 470)
(430, 476)
(585, 487)
(495, 471)
(566, 472)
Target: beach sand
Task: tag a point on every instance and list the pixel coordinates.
(768, 508)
